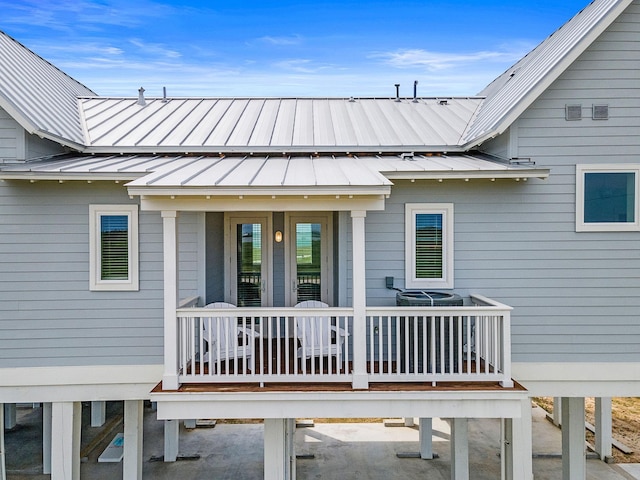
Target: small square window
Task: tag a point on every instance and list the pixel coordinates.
(607, 197)
(429, 245)
(114, 247)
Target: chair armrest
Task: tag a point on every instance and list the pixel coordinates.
(249, 332)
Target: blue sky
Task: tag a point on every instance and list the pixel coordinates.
(302, 48)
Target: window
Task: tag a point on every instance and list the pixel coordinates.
(607, 198)
(114, 247)
(429, 245)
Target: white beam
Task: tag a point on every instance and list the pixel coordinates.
(425, 426)
(170, 249)
(46, 438)
(604, 427)
(360, 376)
(574, 463)
(133, 428)
(66, 418)
(98, 413)
(171, 440)
(459, 449)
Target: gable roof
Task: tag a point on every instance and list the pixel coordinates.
(267, 125)
(515, 90)
(39, 96)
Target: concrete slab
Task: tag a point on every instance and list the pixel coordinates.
(633, 469)
(327, 451)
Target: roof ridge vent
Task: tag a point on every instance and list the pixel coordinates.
(141, 101)
(407, 156)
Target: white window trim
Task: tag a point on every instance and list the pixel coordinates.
(95, 282)
(581, 226)
(446, 209)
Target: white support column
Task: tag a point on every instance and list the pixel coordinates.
(426, 438)
(171, 440)
(46, 438)
(459, 449)
(291, 448)
(276, 454)
(517, 449)
(10, 416)
(98, 413)
(170, 248)
(557, 411)
(604, 427)
(66, 418)
(133, 434)
(3, 464)
(574, 463)
(360, 376)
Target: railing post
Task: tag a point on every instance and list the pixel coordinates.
(170, 248)
(360, 376)
(507, 381)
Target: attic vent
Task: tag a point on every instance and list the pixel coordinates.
(573, 112)
(600, 112)
(443, 102)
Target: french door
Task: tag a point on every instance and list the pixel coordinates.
(249, 259)
(308, 261)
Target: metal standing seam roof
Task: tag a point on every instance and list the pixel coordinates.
(515, 90)
(206, 125)
(42, 98)
(255, 174)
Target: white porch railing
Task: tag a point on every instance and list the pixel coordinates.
(403, 344)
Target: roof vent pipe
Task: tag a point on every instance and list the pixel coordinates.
(397, 92)
(415, 91)
(141, 100)
(164, 95)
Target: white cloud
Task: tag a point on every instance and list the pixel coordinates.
(437, 61)
(281, 41)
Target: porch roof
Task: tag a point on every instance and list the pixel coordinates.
(220, 174)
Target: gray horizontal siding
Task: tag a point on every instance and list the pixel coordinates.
(48, 316)
(8, 136)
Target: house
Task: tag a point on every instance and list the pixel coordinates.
(123, 219)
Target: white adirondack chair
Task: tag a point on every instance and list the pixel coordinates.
(317, 336)
(222, 335)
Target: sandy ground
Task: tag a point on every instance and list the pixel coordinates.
(626, 424)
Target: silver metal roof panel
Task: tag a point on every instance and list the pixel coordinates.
(41, 98)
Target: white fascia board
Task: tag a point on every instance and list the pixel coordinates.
(299, 191)
(473, 174)
(477, 404)
(86, 383)
(67, 176)
(280, 203)
(614, 379)
(552, 75)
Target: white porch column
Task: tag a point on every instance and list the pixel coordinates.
(459, 449)
(603, 426)
(66, 418)
(574, 463)
(517, 449)
(425, 426)
(278, 454)
(98, 413)
(46, 438)
(3, 464)
(360, 376)
(170, 248)
(557, 411)
(171, 440)
(133, 427)
(10, 416)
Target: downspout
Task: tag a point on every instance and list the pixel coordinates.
(3, 467)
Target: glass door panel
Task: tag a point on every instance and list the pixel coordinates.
(249, 264)
(308, 261)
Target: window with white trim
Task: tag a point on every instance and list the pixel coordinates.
(429, 245)
(607, 198)
(113, 251)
